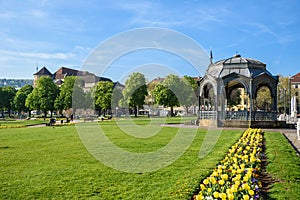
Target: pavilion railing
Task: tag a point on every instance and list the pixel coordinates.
(240, 115)
(208, 115)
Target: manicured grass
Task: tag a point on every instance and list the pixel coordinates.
(283, 166)
(7, 123)
(46, 162)
(52, 163)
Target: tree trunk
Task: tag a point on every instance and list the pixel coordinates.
(45, 114)
(29, 113)
(51, 114)
(172, 111)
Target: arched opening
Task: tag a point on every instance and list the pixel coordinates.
(263, 100)
(237, 97)
(208, 98)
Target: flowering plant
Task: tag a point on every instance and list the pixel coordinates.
(236, 176)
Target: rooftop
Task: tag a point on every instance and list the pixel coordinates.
(296, 78)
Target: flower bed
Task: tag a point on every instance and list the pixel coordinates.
(237, 175)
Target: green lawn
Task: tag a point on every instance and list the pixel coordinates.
(283, 167)
(52, 163)
(20, 123)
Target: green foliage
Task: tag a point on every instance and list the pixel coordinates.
(190, 88)
(234, 97)
(165, 96)
(192, 82)
(43, 95)
(135, 91)
(174, 91)
(7, 95)
(116, 97)
(20, 98)
(263, 100)
(103, 95)
(283, 92)
(64, 100)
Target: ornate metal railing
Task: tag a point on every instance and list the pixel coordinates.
(239, 115)
(208, 115)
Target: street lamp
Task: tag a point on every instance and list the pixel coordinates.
(284, 99)
(250, 93)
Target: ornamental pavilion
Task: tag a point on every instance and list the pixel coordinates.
(228, 91)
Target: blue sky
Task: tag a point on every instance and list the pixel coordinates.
(56, 33)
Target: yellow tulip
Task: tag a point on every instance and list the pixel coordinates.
(206, 181)
(224, 177)
(221, 182)
(222, 196)
(251, 192)
(246, 197)
(216, 194)
(212, 180)
(230, 196)
(215, 173)
(199, 197)
(202, 186)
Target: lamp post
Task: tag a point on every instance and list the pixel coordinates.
(284, 100)
(199, 100)
(250, 94)
(289, 99)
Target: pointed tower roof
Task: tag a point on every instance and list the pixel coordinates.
(43, 71)
(211, 57)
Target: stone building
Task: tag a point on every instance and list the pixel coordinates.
(295, 84)
(88, 79)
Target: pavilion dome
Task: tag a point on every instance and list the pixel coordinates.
(237, 64)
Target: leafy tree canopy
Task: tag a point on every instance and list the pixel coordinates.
(135, 90)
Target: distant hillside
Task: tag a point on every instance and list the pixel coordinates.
(16, 83)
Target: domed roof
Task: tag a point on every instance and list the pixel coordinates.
(238, 59)
(237, 64)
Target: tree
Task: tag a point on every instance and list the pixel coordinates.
(190, 87)
(64, 99)
(192, 82)
(174, 91)
(234, 97)
(43, 95)
(103, 96)
(263, 99)
(20, 99)
(8, 94)
(168, 92)
(1, 102)
(135, 91)
(283, 93)
(31, 101)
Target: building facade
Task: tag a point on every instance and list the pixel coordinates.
(295, 85)
(88, 79)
